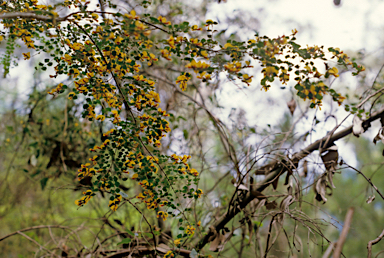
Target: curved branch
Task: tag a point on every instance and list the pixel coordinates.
(373, 242)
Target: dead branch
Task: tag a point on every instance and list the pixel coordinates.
(277, 168)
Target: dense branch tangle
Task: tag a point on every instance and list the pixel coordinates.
(103, 58)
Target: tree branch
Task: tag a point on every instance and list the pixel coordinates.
(373, 242)
(344, 233)
(29, 15)
(32, 228)
(276, 169)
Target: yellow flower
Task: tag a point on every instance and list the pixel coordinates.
(194, 172)
(118, 40)
(71, 95)
(166, 54)
(162, 214)
(26, 55)
(204, 54)
(233, 67)
(132, 15)
(77, 46)
(227, 45)
(164, 20)
(100, 117)
(270, 71)
(135, 176)
(199, 193)
(195, 27)
(247, 78)
(169, 254)
(190, 230)
(333, 71)
(67, 58)
(114, 204)
(182, 79)
(177, 242)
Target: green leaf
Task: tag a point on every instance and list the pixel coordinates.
(125, 241)
(147, 234)
(43, 182)
(185, 133)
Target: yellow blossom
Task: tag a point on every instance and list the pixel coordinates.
(195, 27)
(333, 71)
(162, 214)
(164, 20)
(71, 95)
(100, 117)
(169, 254)
(247, 78)
(26, 55)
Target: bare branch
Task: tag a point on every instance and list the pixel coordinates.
(28, 15)
(373, 242)
(344, 233)
(368, 180)
(32, 228)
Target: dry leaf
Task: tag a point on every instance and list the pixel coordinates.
(162, 248)
(379, 136)
(330, 178)
(250, 228)
(216, 243)
(357, 126)
(241, 187)
(305, 168)
(260, 204)
(288, 200)
(320, 189)
(370, 199)
(292, 106)
(330, 157)
(271, 205)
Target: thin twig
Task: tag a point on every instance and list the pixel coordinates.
(366, 178)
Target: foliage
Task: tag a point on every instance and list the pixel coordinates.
(114, 132)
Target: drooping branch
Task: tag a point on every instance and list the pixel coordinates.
(274, 171)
